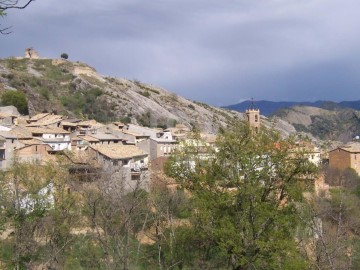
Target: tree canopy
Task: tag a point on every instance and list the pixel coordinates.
(245, 199)
(17, 99)
(64, 56)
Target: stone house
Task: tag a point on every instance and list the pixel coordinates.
(161, 147)
(161, 142)
(35, 152)
(125, 163)
(9, 142)
(57, 138)
(347, 156)
(179, 132)
(309, 150)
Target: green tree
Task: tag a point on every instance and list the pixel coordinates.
(37, 214)
(64, 56)
(17, 99)
(245, 197)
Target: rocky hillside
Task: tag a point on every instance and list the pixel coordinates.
(75, 89)
(335, 123)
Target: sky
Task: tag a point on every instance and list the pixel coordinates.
(218, 52)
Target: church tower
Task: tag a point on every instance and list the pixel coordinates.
(253, 117)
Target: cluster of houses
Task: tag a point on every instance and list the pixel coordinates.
(122, 151)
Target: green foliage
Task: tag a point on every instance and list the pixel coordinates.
(300, 128)
(145, 94)
(17, 99)
(191, 106)
(145, 119)
(125, 120)
(88, 103)
(16, 64)
(64, 56)
(44, 92)
(245, 198)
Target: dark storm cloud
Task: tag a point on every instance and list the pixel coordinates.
(214, 51)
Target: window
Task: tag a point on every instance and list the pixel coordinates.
(115, 163)
(126, 162)
(135, 177)
(256, 117)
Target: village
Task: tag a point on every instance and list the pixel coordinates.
(124, 151)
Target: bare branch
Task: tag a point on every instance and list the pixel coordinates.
(13, 4)
(5, 31)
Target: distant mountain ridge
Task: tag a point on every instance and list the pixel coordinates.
(268, 108)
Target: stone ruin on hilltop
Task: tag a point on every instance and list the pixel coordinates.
(30, 53)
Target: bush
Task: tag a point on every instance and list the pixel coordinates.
(145, 94)
(17, 99)
(64, 56)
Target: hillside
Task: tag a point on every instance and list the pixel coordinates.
(340, 124)
(270, 107)
(77, 90)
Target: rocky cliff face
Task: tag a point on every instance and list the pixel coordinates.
(77, 90)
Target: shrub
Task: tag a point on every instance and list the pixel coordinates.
(17, 99)
(145, 94)
(64, 56)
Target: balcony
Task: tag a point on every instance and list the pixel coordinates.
(137, 168)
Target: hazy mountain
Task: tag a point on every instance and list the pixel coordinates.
(334, 123)
(269, 107)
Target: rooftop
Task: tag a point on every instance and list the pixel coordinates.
(119, 151)
(353, 147)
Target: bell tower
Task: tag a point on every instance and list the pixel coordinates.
(253, 116)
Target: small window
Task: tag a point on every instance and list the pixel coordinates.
(135, 177)
(125, 162)
(115, 163)
(256, 117)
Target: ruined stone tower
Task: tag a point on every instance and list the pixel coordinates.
(253, 117)
(30, 53)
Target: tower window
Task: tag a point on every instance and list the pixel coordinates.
(256, 117)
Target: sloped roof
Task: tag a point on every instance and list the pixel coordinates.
(39, 116)
(134, 133)
(31, 142)
(119, 151)
(47, 130)
(105, 136)
(69, 124)
(353, 147)
(47, 120)
(13, 134)
(88, 138)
